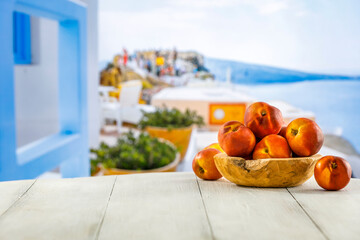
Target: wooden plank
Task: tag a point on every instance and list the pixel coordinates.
(156, 206)
(255, 213)
(12, 192)
(337, 213)
(59, 209)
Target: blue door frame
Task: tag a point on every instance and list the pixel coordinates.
(68, 148)
(22, 38)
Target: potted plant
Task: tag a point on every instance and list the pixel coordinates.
(173, 125)
(134, 154)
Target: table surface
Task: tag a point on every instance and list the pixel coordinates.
(174, 206)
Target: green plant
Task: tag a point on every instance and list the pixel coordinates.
(170, 118)
(134, 153)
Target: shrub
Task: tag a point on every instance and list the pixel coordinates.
(170, 118)
(134, 153)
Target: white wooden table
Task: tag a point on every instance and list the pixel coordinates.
(174, 206)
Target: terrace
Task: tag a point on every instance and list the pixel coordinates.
(70, 116)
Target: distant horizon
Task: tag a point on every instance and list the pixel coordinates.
(355, 75)
(102, 64)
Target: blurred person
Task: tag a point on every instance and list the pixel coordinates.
(174, 61)
(148, 65)
(174, 55)
(159, 62)
(126, 57)
(137, 58)
(141, 61)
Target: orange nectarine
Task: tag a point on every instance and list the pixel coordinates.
(235, 139)
(215, 146)
(203, 164)
(332, 173)
(272, 146)
(263, 119)
(304, 137)
(283, 131)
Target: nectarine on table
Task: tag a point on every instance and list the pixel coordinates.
(203, 164)
(332, 173)
(304, 137)
(272, 146)
(263, 119)
(235, 139)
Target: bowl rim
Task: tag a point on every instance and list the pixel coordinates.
(223, 155)
(245, 176)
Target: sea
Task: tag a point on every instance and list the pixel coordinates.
(334, 99)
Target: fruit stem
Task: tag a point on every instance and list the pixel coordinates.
(294, 132)
(333, 165)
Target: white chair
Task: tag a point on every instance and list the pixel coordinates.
(113, 109)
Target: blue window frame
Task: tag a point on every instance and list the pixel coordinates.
(69, 147)
(22, 38)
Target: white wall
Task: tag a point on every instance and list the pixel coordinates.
(36, 85)
(93, 73)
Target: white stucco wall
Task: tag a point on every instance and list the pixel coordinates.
(36, 85)
(93, 73)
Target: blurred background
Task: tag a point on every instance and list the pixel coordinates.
(174, 65)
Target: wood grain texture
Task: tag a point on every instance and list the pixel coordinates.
(255, 213)
(58, 209)
(11, 192)
(337, 213)
(174, 206)
(156, 206)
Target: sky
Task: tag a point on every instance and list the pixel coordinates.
(321, 36)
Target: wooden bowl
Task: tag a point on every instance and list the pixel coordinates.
(272, 172)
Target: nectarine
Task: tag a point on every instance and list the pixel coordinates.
(263, 119)
(203, 164)
(304, 137)
(272, 146)
(235, 139)
(332, 173)
(283, 131)
(215, 146)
